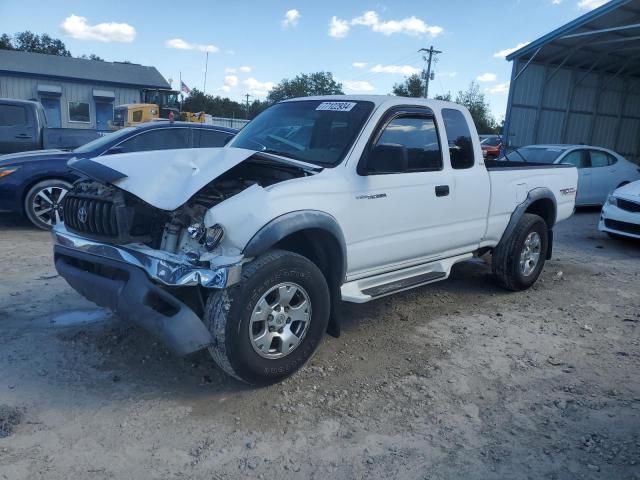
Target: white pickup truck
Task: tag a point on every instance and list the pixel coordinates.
(248, 250)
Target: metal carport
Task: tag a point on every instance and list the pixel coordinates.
(580, 83)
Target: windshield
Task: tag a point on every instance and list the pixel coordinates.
(101, 143)
(491, 142)
(314, 131)
(534, 155)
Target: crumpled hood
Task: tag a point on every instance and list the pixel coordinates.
(166, 179)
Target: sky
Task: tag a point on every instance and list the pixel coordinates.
(252, 45)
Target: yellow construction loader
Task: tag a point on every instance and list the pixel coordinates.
(156, 104)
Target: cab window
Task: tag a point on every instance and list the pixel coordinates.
(407, 143)
(459, 138)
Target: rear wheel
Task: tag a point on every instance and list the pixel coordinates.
(265, 328)
(43, 203)
(518, 261)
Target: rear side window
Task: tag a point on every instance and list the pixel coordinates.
(12, 115)
(419, 137)
(459, 137)
(203, 138)
(601, 159)
(160, 139)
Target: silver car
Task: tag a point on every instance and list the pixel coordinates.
(600, 171)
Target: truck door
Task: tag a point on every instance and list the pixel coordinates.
(471, 188)
(17, 129)
(401, 207)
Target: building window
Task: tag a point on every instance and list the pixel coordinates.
(79, 112)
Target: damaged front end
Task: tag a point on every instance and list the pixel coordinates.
(151, 265)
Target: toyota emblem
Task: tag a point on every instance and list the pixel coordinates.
(82, 215)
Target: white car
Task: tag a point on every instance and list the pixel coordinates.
(600, 170)
(621, 213)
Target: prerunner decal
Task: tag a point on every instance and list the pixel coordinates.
(336, 106)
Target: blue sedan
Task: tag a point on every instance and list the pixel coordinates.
(34, 183)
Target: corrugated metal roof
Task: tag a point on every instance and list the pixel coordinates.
(39, 64)
(607, 38)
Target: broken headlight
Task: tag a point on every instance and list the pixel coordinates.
(209, 238)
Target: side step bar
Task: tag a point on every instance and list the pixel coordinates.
(370, 288)
(388, 288)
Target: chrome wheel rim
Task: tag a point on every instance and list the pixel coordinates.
(280, 320)
(47, 205)
(530, 255)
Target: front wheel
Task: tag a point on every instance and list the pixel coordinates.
(517, 262)
(43, 203)
(267, 327)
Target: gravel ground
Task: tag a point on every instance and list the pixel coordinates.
(455, 380)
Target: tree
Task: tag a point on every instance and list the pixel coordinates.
(305, 85)
(412, 86)
(198, 101)
(91, 56)
(446, 97)
(30, 42)
(478, 106)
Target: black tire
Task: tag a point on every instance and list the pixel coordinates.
(228, 313)
(506, 257)
(45, 221)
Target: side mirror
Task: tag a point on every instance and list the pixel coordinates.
(114, 150)
(387, 158)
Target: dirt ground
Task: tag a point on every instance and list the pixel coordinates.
(455, 380)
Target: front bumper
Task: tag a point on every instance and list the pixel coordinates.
(128, 281)
(619, 221)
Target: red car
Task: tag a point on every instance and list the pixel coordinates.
(491, 146)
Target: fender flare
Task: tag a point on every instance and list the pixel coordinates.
(292, 222)
(540, 193)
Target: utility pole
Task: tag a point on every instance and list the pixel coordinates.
(247, 97)
(429, 74)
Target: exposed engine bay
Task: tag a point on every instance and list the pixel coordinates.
(108, 213)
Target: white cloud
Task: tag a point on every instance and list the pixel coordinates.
(77, 27)
(258, 88)
(245, 68)
(358, 64)
(590, 4)
(487, 77)
(556, 2)
(500, 88)
(225, 88)
(291, 18)
(338, 28)
(395, 69)
(357, 86)
(508, 51)
(230, 80)
(180, 44)
(409, 26)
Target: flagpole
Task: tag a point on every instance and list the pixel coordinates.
(206, 67)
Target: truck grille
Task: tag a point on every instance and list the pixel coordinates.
(91, 215)
(628, 205)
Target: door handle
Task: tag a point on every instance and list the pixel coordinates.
(442, 190)
(23, 135)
